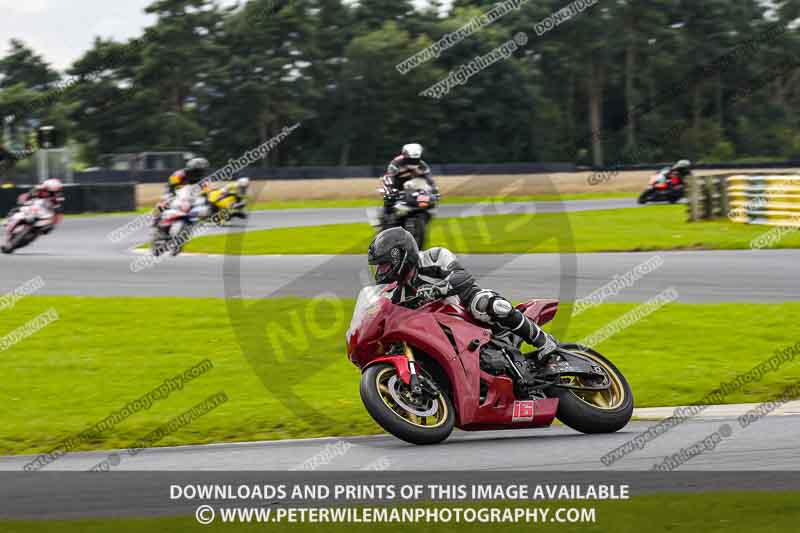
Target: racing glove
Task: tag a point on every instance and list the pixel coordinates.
(434, 291)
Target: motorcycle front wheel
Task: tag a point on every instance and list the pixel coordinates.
(604, 411)
(415, 225)
(417, 420)
(16, 241)
(644, 197)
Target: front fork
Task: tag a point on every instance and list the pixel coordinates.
(406, 366)
(412, 369)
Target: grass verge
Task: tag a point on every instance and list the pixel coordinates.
(371, 202)
(105, 352)
(661, 227)
(722, 512)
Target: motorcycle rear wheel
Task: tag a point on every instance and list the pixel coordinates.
(386, 398)
(595, 412)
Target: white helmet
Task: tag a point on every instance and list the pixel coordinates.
(412, 151)
(683, 163)
(243, 183)
(53, 185)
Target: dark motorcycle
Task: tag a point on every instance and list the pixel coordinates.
(663, 187)
(413, 210)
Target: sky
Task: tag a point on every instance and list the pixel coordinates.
(62, 30)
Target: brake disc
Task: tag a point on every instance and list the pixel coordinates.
(393, 381)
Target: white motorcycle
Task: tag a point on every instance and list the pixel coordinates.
(174, 227)
(25, 224)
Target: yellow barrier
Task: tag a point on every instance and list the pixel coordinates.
(771, 199)
(765, 199)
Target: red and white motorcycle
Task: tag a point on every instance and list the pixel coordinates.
(25, 224)
(173, 228)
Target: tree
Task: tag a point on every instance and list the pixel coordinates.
(22, 66)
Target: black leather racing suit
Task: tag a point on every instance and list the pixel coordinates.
(399, 171)
(440, 275)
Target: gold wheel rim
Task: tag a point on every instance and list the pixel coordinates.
(427, 422)
(608, 399)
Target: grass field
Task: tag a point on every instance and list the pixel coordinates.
(720, 512)
(371, 202)
(659, 227)
(105, 352)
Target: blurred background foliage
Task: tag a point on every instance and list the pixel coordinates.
(652, 75)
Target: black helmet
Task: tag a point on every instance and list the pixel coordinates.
(196, 168)
(392, 255)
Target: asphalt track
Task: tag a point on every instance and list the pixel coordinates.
(80, 259)
(557, 448)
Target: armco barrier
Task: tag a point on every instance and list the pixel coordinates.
(765, 199)
(100, 198)
(772, 199)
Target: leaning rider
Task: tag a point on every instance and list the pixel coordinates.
(679, 171)
(194, 171)
(435, 274)
(51, 193)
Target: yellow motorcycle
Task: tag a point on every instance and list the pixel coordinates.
(231, 198)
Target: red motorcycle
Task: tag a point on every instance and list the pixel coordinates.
(428, 367)
(666, 186)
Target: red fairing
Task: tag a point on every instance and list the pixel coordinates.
(377, 323)
(539, 311)
(400, 363)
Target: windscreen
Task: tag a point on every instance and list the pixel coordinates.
(367, 298)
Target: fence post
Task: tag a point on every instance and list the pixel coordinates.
(724, 206)
(708, 197)
(694, 201)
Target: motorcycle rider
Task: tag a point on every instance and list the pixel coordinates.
(50, 191)
(435, 274)
(406, 166)
(242, 187)
(194, 171)
(678, 173)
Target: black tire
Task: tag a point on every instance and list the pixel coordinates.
(177, 241)
(16, 242)
(586, 418)
(644, 197)
(416, 227)
(395, 424)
